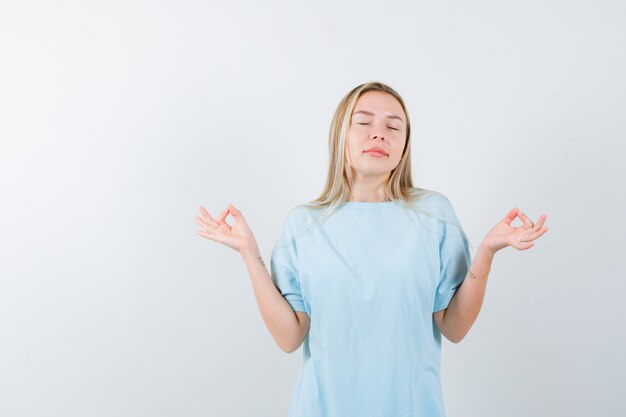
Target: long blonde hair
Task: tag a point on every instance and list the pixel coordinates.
(399, 186)
(338, 181)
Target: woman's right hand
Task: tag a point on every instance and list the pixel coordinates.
(238, 236)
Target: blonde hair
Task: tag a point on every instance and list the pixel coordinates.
(338, 181)
(398, 187)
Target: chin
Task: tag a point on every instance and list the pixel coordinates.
(367, 171)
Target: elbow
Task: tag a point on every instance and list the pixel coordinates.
(289, 348)
(457, 338)
(455, 334)
(285, 347)
(290, 342)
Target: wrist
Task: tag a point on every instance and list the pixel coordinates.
(486, 250)
(250, 251)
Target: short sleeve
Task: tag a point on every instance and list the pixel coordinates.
(284, 269)
(454, 257)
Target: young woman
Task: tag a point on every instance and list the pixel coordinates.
(370, 274)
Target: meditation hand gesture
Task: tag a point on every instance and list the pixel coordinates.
(503, 234)
(238, 236)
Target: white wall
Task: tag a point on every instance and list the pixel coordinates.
(119, 119)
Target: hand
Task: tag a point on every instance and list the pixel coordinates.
(238, 237)
(503, 234)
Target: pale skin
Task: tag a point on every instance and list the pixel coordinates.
(288, 327)
(379, 120)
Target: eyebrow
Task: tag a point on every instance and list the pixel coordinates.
(391, 116)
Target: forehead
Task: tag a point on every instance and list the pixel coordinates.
(379, 103)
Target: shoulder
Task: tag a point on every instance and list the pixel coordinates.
(301, 212)
(425, 198)
(435, 205)
(301, 219)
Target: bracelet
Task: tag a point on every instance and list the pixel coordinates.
(471, 274)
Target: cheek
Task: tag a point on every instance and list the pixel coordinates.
(398, 148)
(352, 142)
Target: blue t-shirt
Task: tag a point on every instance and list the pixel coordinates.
(370, 277)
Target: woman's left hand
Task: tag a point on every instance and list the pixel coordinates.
(503, 234)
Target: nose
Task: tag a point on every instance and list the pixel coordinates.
(376, 132)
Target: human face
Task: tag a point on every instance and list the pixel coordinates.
(377, 121)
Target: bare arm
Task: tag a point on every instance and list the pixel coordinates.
(456, 320)
(288, 328)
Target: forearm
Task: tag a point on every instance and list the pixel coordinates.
(277, 313)
(468, 299)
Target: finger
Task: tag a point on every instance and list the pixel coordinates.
(208, 235)
(236, 213)
(523, 241)
(525, 245)
(540, 222)
(539, 228)
(525, 220)
(536, 234)
(205, 214)
(216, 237)
(510, 216)
(222, 216)
(207, 218)
(205, 225)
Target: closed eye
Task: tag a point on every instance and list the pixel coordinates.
(392, 128)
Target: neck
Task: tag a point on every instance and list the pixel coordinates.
(369, 190)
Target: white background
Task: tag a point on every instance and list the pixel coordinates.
(118, 119)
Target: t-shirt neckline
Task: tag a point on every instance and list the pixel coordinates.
(367, 204)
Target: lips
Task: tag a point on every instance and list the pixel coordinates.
(377, 149)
